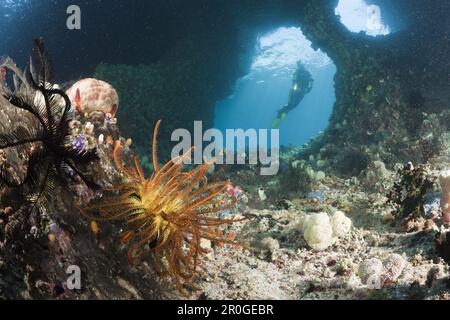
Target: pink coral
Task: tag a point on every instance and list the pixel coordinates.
(92, 95)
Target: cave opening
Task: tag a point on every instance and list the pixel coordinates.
(363, 16)
(265, 89)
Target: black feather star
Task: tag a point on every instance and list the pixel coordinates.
(44, 138)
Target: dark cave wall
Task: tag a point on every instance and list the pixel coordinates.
(179, 89)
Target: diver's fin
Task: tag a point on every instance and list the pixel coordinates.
(276, 122)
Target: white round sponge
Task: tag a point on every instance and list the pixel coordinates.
(340, 223)
(319, 232)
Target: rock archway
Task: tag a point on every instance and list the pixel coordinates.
(391, 93)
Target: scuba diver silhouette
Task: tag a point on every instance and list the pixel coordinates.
(302, 83)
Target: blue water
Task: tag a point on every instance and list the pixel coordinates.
(257, 98)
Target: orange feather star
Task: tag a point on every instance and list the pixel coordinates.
(168, 214)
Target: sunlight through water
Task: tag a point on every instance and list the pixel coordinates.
(259, 95)
(359, 16)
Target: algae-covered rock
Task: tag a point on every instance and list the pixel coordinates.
(369, 268)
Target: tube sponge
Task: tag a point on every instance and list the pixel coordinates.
(445, 200)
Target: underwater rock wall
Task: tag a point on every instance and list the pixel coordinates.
(179, 89)
(390, 103)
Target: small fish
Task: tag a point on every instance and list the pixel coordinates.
(3, 73)
(78, 101)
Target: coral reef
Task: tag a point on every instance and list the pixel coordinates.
(297, 178)
(374, 260)
(387, 111)
(279, 265)
(43, 141)
(185, 82)
(376, 176)
(409, 192)
(382, 116)
(41, 232)
(171, 210)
